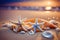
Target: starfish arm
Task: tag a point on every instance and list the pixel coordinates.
(39, 28)
(13, 22)
(31, 23)
(41, 23)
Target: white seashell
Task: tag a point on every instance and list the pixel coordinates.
(22, 32)
(31, 32)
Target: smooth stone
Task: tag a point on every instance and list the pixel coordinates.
(47, 34)
(58, 29)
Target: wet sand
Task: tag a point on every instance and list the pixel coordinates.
(6, 34)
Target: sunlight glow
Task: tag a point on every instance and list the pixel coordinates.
(48, 8)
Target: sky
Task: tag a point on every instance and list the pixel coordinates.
(10, 1)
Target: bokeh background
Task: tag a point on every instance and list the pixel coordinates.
(45, 9)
